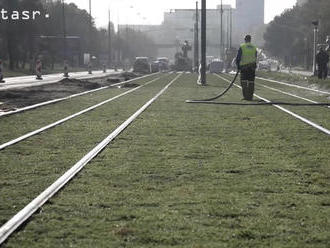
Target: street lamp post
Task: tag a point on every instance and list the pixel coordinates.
(66, 72)
(109, 41)
(90, 38)
(306, 53)
(90, 23)
(231, 28)
(316, 24)
(196, 50)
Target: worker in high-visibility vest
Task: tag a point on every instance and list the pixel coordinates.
(1, 73)
(90, 68)
(66, 69)
(246, 61)
(39, 70)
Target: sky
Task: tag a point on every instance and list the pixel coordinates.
(151, 11)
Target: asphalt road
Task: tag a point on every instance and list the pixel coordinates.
(28, 81)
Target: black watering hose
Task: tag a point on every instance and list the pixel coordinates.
(216, 97)
(260, 103)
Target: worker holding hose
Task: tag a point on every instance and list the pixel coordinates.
(246, 61)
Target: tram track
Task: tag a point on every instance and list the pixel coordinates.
(58, 122)
(168, 160)
(291, 113)
(294, 85)
(17, 220)
(291, 94)
(38, 105)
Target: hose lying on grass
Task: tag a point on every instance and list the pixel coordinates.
(216, 97)
(260, 103)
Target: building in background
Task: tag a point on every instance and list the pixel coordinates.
(178, 26)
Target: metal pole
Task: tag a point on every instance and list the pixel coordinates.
(109, 41)
(221, 30)
(119, 45)
(196, 56)
(227, 32)
(203, 40)
(64, 31)
(90, 25)
(197, 34)
(231, 28)
(305, 54)
(314, 52)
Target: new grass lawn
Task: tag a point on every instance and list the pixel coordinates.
(182, 175)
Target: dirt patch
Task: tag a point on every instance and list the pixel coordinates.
(19, 98)
(124, 76)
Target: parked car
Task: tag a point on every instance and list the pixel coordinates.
(155, 66)
(264, 65)
(142, 65)
(216, 66)
(164, 63)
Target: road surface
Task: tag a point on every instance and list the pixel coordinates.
(28, 81)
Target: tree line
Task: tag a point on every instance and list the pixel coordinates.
(22, 42)
(290, 36)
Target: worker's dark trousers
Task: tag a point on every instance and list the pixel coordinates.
(322, 71)
(248, 74)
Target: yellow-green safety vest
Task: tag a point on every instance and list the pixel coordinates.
(248, 54)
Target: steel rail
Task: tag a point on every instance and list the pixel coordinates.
(310, 123)
(8, 228)
(2, 114)
(294, 85)
(289, 94)
(54, 124)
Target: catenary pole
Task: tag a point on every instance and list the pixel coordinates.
(203, 45)
(221, 30)
(109, 42)
(90, 25)
(228, 30)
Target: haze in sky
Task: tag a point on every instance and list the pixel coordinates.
(151, 11)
